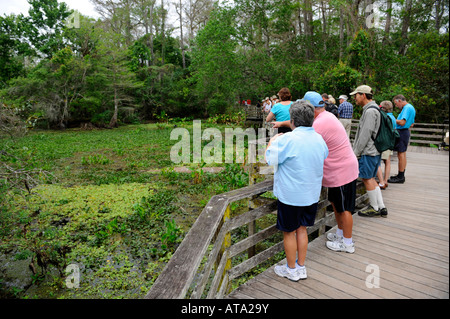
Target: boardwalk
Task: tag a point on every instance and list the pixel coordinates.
(410, 247)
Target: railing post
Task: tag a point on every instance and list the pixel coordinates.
(322, 212)
(225, 245)
(223, 254)
(253, 175)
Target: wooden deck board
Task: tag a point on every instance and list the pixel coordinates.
(410, 247)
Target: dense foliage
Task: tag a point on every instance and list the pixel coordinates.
(109, 201)
(134, 65)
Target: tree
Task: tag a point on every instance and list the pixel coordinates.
(440, 8)
(113, 67)
(214, 62)
(45, 25)
(341, 79)
(118, 14)
(197, 13)
(179, 9)
(387, 27)
(145, 12)
(406, 13)
(52, 86)
(13, 49)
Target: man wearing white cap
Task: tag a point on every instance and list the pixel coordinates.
(345, 112)
(368, 156)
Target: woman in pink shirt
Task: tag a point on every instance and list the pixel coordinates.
(341, 166)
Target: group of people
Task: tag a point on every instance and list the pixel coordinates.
(269, 102)
(312, 149)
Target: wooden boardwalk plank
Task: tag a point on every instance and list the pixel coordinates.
(410, 247)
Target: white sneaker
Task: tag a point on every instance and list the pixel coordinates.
(285, 271)
(340, 246)
(334, 237)
(301, 271)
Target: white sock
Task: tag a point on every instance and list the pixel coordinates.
(339, 232)
(348, 241)
(289, 268)
(379, 198)
(373, 198)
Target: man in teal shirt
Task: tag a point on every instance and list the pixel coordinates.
(404, 121)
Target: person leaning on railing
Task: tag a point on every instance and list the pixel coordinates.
(298, 158)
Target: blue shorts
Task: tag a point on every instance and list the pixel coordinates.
(402, 143)
(290, 218)
(368, 166)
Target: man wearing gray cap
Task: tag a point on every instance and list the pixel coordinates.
(368, 156)
(345, 112)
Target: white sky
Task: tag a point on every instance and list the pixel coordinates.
(83, 6)
(22, 6)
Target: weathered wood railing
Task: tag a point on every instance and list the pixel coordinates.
(203, 265)
(254, 113)
(425, 134)
(422, 134)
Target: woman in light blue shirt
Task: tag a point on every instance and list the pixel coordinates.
(298, 158)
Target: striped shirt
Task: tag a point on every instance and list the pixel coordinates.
(345, 110)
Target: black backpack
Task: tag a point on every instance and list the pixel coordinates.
(387, 135)
(332, 108)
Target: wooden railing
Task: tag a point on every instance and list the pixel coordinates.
(422, 134)
(206, 262)
(254, 113)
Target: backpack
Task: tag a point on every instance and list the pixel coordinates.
(332, 109)
(387, 135)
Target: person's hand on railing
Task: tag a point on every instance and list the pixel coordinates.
(276, 124)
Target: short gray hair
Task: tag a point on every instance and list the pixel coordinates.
(387, 106)
(302, 113)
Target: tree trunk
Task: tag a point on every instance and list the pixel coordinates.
(162, 32)
(324, 26)
(387, 27)
(148, 25)
(307, 14)
(405, 26)
(299, 17)
(354, 16)
(152, 52)
(128, 36)
(439, 6)
(180, 14)
(65, 113)
(341, 34)
(113, 122)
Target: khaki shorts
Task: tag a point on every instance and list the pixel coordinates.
(386, 154)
